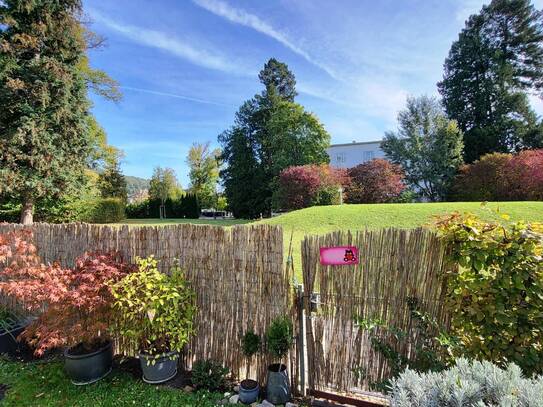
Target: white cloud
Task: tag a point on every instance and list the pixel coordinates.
(239, 16)
(172, 45)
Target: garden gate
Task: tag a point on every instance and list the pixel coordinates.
(394, 265)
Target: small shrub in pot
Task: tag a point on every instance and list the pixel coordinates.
(154, 313)
(249, 389)
(279, 339)
(209, 375)
(72, 306)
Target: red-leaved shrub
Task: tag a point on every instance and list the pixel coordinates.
(307, 185)
(73, 306)
(484, 180)
(375, 181)
(525, 176)
(501, 177)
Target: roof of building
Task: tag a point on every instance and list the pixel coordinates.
(356, 143)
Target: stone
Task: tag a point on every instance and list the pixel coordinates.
(234, 399)
(223, 402)
(188, 389)
(227, 394)
(289, 404)
(266, 403)
(236, 389)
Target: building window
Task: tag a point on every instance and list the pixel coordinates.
(340, 158)
(368, 155)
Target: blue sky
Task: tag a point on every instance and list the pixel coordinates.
(185, 66)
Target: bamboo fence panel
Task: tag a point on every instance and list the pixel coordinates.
(394, 265)
(237, 274)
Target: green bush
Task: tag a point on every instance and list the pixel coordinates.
(279, 337)
(327, 195)
(250, 344)
(10, 215)
(467, 384)
(209, 375)
(106, 210)
(495, 289)
(154, 311)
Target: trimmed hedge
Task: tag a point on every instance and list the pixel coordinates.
(185, 207)
(106, 210)
(10, 215)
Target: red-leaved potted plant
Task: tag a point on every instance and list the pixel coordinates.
(72, 306)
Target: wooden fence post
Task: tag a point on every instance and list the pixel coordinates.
(301, 336)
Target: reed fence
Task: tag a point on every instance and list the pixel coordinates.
(237, 274)
(394, 265)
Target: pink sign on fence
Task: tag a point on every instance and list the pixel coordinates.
(339, 255)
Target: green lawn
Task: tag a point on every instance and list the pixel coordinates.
(47, 385)
(324, 219)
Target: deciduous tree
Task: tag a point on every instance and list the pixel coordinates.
(204, 173)
(164, 185)
(428, 147)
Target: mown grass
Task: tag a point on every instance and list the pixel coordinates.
(46, 385)
(324, 219)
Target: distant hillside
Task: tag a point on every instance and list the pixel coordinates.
(135, 184)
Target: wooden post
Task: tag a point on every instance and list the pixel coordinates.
(301, 337)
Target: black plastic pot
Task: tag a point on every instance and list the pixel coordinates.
(159, 369)
(89, 367)
(248, 391)
(8, 340)
(278, 386)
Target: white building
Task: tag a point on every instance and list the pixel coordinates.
(351, 154)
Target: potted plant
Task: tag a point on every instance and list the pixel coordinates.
(154, 313)
(72, 306)
(248, 388)
(278, 342)
(11, 326)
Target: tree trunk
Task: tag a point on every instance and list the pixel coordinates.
(27, 213)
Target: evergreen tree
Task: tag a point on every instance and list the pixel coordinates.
(277, 78)
(44, 140)
(271, 132)
(497, 58)
(427, 145)
(112, 183)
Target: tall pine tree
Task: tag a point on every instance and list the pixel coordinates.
(271, 132)
(43, 120)
(496, 60)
